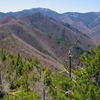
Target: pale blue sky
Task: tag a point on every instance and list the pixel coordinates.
(59, 6)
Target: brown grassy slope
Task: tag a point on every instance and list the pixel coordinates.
(53, 28)
(44, 34)
(15, 45)
(28, 34)
(77, 24)
(15, 38)
(49, 26)
(91, 29)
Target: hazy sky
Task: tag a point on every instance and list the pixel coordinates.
(60, 6)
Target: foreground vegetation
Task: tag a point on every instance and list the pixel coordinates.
(18, 77)
(85, 83)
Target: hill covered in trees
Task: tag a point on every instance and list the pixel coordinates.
(24, 78)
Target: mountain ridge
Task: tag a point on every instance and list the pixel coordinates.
(46, 35)
(85, 22)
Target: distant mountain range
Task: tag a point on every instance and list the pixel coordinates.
(46, 35)
(88, 23)
(44, 11)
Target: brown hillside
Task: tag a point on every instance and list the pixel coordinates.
(51, 27)
(49, 37)
(15, 45)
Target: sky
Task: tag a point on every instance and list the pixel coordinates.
(59, 6)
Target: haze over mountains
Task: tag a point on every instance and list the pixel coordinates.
(47, 35)
(88, 23)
